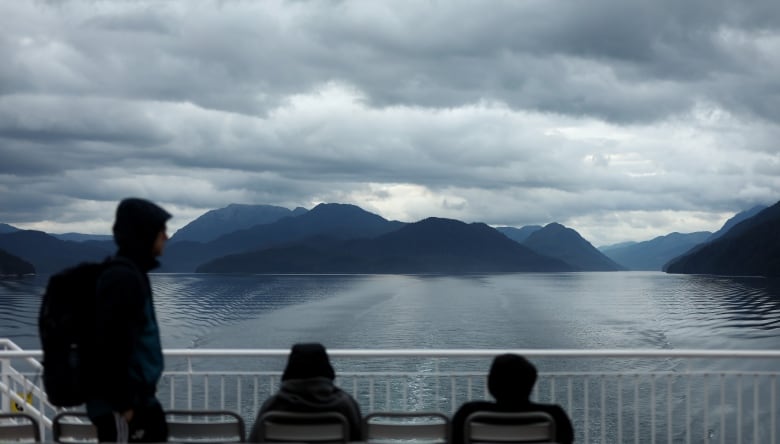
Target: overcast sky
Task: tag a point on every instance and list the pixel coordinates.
(622, 120)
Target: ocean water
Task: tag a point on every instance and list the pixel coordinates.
(516, 310)
(620, 310)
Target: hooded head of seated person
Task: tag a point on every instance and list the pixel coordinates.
(308, 386)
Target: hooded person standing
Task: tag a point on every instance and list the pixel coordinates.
(122, 403)
(307, 386)
(510, 382)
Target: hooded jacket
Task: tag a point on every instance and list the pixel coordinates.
(510, 382)
(307, 386)
(126, 331)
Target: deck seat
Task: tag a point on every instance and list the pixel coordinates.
(73, 427)
(509, 427)
(319, 427)
(419, 427)
(183, 426)
(205, 426)
(19, 427)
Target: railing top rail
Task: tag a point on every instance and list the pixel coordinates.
(462, 353)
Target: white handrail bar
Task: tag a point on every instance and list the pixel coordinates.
(540, 353)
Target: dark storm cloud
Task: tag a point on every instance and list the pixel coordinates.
(621, 61)
(617, 60)
(505, 112)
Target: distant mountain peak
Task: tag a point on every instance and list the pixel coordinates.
(340, 207)
(5, 228)
(558, 241)
(333, 212)
(736, 219)
(654, 253)
(519, 234)
(235, 216)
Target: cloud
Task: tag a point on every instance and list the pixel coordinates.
(597, 115)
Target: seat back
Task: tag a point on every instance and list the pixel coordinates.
(431, 427)
(71, 427)
(205, 426)
(279, 426)
(19, 427)
(509, 427)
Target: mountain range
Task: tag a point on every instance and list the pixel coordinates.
(335, 238)
(338, 221)
(750, 247)
(652, 255)
(432, 245)
(48, 254)
(657, 252)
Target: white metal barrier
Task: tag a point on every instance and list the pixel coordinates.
(612, 396)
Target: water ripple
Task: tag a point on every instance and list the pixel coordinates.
(567, 310)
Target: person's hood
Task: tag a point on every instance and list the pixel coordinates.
(313, 392)
(137, 223)
(308, 360)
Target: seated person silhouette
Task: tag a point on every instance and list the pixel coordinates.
(511, 379)
(307, 386)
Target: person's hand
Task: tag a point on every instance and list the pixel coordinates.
(128, 415)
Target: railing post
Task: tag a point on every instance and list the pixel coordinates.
(603, 410)
(437, 394)
(706, 409)
(652, 408)
(636, 409)
(586, 403)
(722, 409)
(620, 408)
(387, 395)
(238, 391)
(688, 395)
(773, 408)
(755, 408)
(371, 394)
(5, 368)
(207, 394)
(669, 408)
(453, 390)
(739, 409)
(173, 392)
(222, 392)
(255, 395)
(569, 395)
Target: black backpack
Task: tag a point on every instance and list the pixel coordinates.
(66, 324)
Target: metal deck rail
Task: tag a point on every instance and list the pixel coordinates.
(612, 396)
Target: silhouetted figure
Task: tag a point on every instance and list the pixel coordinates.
(307, 386)
(510, 382)
(122, 404)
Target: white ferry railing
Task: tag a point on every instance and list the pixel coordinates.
(610, 395)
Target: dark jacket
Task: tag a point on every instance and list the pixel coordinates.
(510, 381)
(127, 336)
(307, 386)
(312, 395)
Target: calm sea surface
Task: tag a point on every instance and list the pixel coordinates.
(624, 310)
(523, 310)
